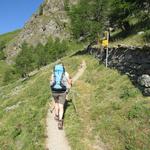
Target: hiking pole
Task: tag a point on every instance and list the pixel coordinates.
(51, 110)
(73, 101)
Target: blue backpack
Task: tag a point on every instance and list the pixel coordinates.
(58, 85)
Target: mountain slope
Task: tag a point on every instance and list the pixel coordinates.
(50, 20)
(7, 37)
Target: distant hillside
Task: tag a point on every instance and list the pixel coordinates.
(7, 37)
(85, 20)
(49, 20)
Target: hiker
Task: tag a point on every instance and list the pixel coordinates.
(60, 84)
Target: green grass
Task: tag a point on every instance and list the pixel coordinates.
(110, 109)
(7, 37)
(3, 68)
(132, 37)
(129, 39)
(24, 127)
(8, 73)
(132, 40)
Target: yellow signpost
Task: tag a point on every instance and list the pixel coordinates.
(105, 42)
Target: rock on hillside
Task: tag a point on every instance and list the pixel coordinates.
(50, 20)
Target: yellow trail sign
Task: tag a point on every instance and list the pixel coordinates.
(105, 43)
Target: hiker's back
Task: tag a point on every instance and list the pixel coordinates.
(59, 79)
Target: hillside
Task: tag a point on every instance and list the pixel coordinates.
(23, 111)
(106, 109)
(50, 20)
(8, 36)
(111, 112)
(64, 20)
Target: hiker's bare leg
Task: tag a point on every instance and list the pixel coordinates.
(56, 108)
(61, 111)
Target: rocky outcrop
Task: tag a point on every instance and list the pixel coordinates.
(50, 20)
(144, 82)
(133, 61)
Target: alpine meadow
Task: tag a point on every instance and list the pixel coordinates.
(108, 106)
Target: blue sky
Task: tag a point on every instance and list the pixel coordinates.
(15, 13)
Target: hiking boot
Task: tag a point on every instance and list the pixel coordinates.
(60, 124)
(56, 117)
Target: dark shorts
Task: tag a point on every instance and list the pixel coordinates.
(59, 97)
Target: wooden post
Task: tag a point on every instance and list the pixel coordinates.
(107, 34)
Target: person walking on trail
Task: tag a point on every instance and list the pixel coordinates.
(60, 84)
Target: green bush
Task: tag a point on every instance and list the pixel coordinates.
(2, 46)
(147, 36)
(41, 56)
(94, 15)
(134, 112)
(10, 75)
(25, 60)
(138, 111)
(30, 58)
(66, 5)
(127, 93)
(2, 55)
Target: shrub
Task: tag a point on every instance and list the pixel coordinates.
(10, 75)
(66, 5)
(30, 58)
(147, 36)
(2, 46)
(41, 56)
(127, 93)
(94, 15)
(134, 112)
(2, 55)
(25, 60)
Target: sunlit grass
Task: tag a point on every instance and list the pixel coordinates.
(110, 109)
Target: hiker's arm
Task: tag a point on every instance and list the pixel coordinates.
(70, 81)
(51, 79)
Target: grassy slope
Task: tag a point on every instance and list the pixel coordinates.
(133, 37)
(24, 127)
(3, 68)
(110, 109)
(7, 37)
(129, 40)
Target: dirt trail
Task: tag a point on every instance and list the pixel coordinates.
(56, 139)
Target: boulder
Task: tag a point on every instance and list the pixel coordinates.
(147, 91)
(144, 80)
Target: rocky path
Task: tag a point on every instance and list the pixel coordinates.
(56, 139)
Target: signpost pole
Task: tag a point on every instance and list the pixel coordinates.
(107, 34)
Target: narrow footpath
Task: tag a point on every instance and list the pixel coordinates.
(56, 139)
